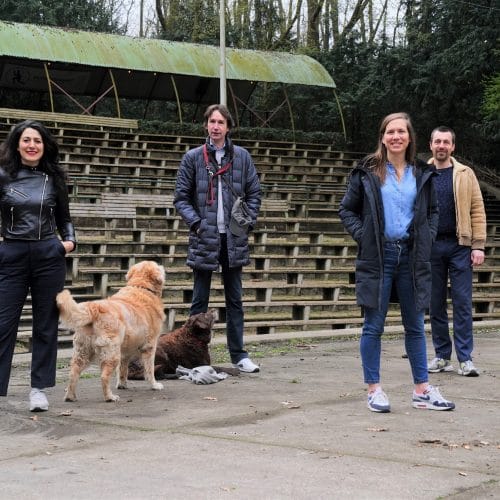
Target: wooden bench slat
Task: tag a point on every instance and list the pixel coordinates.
(47, 116)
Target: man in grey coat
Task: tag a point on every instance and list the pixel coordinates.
(210, 178)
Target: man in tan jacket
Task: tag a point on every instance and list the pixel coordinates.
(459, 246)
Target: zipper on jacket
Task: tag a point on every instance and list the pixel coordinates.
(12, 218)
(20, 193)
(51, 219)
(45, 179)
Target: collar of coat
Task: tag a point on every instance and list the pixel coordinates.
(454, 163)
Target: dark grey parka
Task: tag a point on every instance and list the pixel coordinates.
(191, 201)
(362, 215)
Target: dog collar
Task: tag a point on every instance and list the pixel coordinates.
(148, 289)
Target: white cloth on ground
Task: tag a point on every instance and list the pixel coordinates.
(200, 374)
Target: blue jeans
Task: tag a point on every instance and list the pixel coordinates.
(233, 292)
(397, 271)
(450, 258)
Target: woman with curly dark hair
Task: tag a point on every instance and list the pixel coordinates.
(34, 205)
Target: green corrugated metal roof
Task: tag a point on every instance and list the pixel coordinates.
(122, 52)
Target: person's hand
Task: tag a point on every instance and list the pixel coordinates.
(69, 246)
(195, 228)
(477, 257)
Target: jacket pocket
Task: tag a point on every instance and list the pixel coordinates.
(368, 276)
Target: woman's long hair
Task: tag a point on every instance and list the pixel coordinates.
(10, 158)
(377, 161)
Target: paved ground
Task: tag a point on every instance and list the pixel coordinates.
(299, 429)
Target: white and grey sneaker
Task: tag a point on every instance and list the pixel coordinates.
(38, 400)
(378, 401)
(440, 365)
(431, 399)
(467, 369)
(247, 365)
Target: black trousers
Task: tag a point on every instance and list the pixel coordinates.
(38, 267)
(233, 294)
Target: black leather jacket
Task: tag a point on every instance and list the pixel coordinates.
(32, 208)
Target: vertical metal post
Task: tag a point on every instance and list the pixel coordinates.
(49, 82)
(222, 43)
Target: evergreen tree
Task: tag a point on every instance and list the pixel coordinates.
(88, 15)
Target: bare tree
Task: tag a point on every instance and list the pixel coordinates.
(314, 8)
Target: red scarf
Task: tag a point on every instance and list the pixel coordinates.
(211, 175)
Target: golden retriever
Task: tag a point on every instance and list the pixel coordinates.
(111, 331)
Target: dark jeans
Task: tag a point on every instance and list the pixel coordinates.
(234, 308)
(38, 267)
(397, 271)
(453, 260)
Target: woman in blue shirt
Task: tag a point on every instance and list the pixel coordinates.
(390, 209)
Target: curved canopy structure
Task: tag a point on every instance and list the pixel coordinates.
(141, 66)
(46, 59)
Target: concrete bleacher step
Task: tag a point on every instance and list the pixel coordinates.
(302, 272)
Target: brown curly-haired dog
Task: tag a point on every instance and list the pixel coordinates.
(112, 331)
(186, 346)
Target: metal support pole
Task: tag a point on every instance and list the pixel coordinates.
(222, 43)
(49, 82)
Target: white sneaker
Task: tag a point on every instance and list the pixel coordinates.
(38, 400)
(431, 399)
(378, 401)
(440, 365)
(467, 369)
(247, 365)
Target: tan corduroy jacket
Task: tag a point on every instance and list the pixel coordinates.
(469, 206)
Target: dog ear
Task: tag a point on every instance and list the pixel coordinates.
(190, 321)
(156, 274)
(215, 315)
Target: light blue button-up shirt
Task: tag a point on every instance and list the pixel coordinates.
(398, 199)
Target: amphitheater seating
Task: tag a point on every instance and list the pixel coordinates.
(13, 116)
(302, 274)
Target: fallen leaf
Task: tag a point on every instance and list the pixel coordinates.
(290, 404)
(66, 413)
(430, 441)
(34, 417)
(210, 398)
(462, 473)
(377, 429)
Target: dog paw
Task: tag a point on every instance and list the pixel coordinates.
(157, 386)
(122, 385)
(70, 399)
(113, 398)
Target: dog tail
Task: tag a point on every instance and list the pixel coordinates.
(72, 314)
